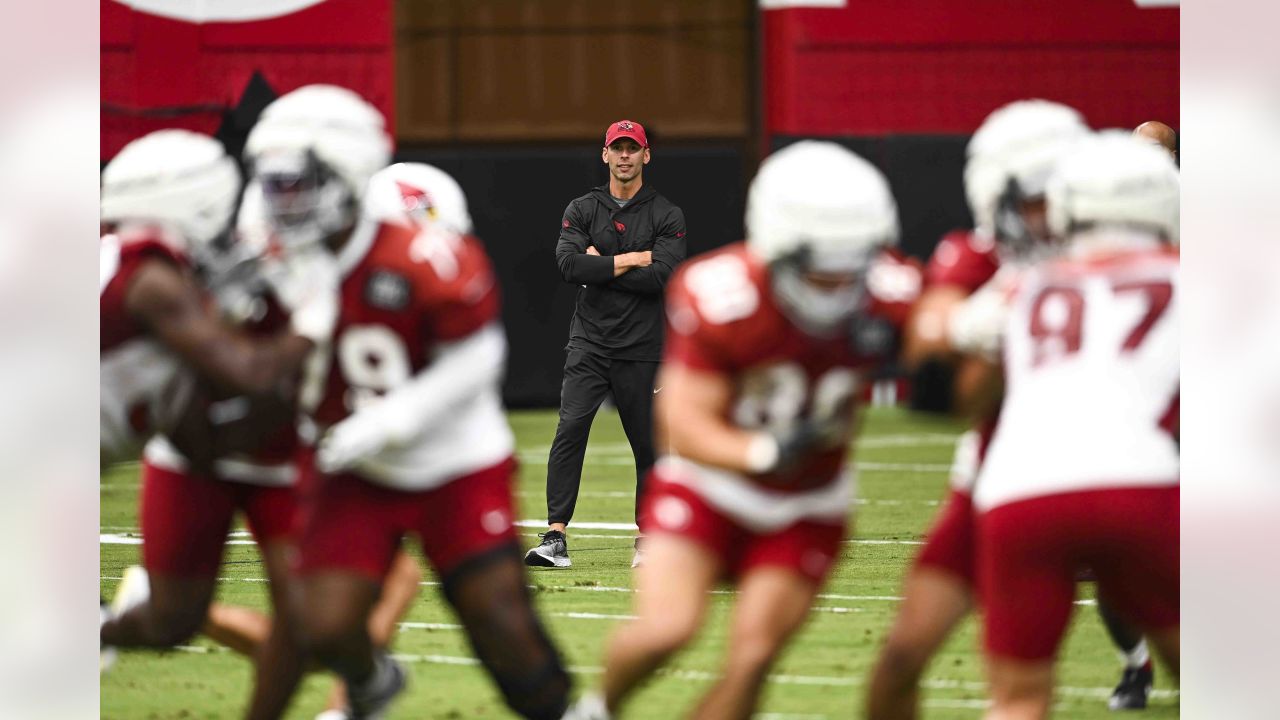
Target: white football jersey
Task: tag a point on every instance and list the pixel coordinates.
(1091, 380)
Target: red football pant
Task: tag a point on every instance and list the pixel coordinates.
(807, 547)
(1031, 550)
(185, 519)
(352, 524)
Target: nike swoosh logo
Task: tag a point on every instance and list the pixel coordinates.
(655, 390)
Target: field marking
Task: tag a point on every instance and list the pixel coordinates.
(864, 466)
(865, 441)
(785, 679)
(1098, 693)
(1086, 602)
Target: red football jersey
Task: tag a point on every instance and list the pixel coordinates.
(722, 318)
(142, 385)
(964, 259)
(402, 291)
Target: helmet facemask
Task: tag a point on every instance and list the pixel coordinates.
(306, 201)
(1021, 239)
(822, 302)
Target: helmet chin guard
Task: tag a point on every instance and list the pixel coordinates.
(304, 199)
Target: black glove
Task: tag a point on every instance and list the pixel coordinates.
(872, 336)
(804, 438)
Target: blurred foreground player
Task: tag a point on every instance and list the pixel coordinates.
(760, 387)
(413, 438)
(949, 346)
(261, 479)
(1083, 469)
(170, 196)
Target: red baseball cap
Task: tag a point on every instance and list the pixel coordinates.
(626, 129)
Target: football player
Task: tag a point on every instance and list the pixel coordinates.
(949, 347)
(246, 630)
(406, 405)
(1091, 362)
(764, 363)
(169, 197)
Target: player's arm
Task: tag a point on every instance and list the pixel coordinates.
(978, 387)
(165, 299)
(669, 249)
(580, 267)
(692, 410)
(926, 330)
(459, 371)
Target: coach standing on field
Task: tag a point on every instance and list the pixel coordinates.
(620, 242)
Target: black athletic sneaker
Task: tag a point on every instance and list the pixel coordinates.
(1134, 687)
(372, 703)
(553, 551)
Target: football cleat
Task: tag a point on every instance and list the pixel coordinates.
(106, 653)
(588, 707)
(553, 551)
(371, 703)
(637, 558)
(1134, 688)
(133, 590)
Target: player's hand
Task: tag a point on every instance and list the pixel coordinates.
(644, 258)
(805, 438)
(591, 250)
(782, 450)
(306, 283)
(349, 442)
(976, 326)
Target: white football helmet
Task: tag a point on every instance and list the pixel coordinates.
(313, 152)
(1010, 159)
(180, 178)
(817, 207)
(417, 193)
(1113, 179)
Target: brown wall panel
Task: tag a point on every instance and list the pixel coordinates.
(424, 80)
(521, 70)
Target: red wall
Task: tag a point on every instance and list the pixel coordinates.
(158, 72)
(878, 67)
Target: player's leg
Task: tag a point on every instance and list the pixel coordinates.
(1139, 572)
(184, 524)
(1020, 689)
(242, 629)
(280, 661)
(350, 531)
(934, 602)
(1138, 673)
(585, 385)
(772, 604)
(672, 594)
(398, 592)
(1027, 563)
(937, 594)
(467, 533)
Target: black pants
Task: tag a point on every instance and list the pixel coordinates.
(588, 378)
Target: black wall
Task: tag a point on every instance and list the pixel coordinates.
(518, 194)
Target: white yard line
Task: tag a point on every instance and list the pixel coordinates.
(1099, 693)
(610, 589)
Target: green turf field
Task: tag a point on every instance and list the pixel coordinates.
(822, 675)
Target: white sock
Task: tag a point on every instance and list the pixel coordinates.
(1137, 657)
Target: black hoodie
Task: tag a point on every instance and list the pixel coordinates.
(622, 317)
